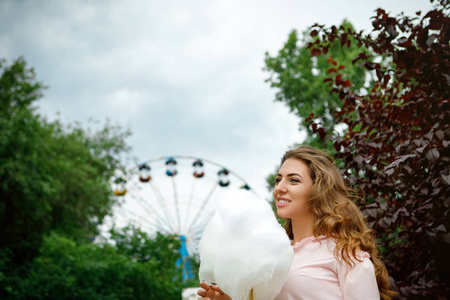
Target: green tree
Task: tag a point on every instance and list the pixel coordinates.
(130, 266)
(52, 177)
(138, 246)
(298, 75)
(55, 187)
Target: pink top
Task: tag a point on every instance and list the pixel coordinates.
(316, 274)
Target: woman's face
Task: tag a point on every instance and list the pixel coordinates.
(292, 188)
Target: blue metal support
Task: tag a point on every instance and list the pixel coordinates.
(184, 259)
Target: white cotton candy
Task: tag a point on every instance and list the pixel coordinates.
(207, 249)
(244, 247)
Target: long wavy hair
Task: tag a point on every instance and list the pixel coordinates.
(335, 214)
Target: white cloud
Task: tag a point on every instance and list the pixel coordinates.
(186, 75)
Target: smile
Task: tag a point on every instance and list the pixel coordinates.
(283, 202)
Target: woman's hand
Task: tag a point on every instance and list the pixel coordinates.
(211, 292)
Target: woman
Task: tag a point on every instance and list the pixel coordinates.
(335, 255)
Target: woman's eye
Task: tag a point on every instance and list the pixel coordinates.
(277, 180)
(295, 180)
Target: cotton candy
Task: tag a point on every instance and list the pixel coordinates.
(243, 247)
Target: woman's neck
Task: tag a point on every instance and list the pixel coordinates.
(302, 228)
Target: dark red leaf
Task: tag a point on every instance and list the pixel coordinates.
(316, 52)
(433, 154)
(429, 135)
(372, 212)
(447, 77)
(404, 42)
(310, 117)
(379, 74)
(337, 146)
(391, 30)
(399, 160)
(408, 169)
(431, 39)
(369, 66)
(358, 159)
(440, 134)
(424, 191)
(441, 228)
(332, 70)
(420, 150)
(436, 191)
(446, 179)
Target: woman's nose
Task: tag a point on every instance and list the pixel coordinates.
(280, 187)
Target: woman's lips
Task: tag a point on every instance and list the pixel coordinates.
(283, 202)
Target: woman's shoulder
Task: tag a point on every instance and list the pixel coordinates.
(325, 244)
(347, 259)
(357, 252)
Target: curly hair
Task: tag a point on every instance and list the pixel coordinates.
(335, 214)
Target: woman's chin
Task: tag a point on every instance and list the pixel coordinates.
(282, 214)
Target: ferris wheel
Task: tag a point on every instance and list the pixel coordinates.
(175, 195)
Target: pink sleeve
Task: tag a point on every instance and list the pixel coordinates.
(358, 282)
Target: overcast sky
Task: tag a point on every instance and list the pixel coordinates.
(185, 76)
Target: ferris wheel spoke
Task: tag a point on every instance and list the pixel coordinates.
(195, 238)
(160, 200)
(193, 243)
(133, 217)
(158, 217)
(146, 221)
(199, 227)
(175, 195)
(201, 208)
(151, 211)
(188, 210)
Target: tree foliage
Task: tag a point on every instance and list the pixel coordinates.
(51, 177)
(130, 268)
(55, 191)
(298, 74)
(396, 149)
(137, 245)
